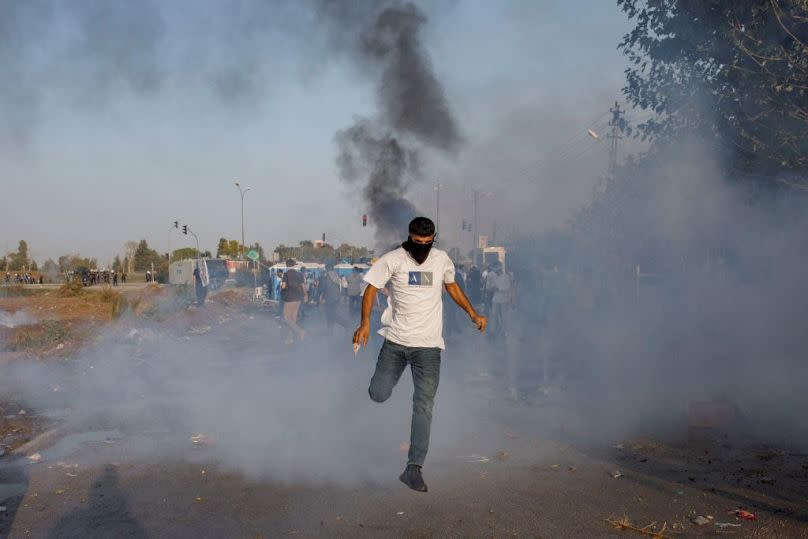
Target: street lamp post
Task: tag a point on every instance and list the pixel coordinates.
(437, 207)
(242, 192)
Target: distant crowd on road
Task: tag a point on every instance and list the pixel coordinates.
(21, 278)
(91, 277)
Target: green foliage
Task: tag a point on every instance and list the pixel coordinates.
(46, 335)
(115, 299)
(144, 257)
(117, 265)
(19, 261)
(228, 248)
(736, 72)
(71, 289)
(183, 254)
(306, 251)
(75, 263)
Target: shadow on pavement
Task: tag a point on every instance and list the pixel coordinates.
(13, 486)
(107, 514)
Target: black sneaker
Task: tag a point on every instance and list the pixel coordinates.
(412, 478)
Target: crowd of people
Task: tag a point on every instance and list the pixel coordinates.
(21, 278)
(105, 276)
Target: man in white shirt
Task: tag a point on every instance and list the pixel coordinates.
(415, 275)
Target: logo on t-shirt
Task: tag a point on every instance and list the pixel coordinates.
(420, 278)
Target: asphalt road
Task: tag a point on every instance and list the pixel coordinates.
(495, 469)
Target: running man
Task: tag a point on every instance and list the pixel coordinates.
(415, 274)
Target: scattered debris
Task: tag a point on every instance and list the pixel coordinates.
(200, 439)
(71, 474)
(700, 520)
(475, 458)
(725, 525)
(36, 457)
(339, 518)
(202, 330)
(767, 480)
(62, 464)
(617, 474)
(60, 491)
(570, 468)
(554, 466)
(22, 412)
(400, 513)
(626, 524)
(503, 456)
(199, 499)
(740, 513)
(619, 446)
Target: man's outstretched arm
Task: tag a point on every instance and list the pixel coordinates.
(362, 333)
(460, 298)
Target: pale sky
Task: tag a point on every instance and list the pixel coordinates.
(90, 159)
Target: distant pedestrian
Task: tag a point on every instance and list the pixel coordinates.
(499, 286)
(200, 288)
(330, 294)
(293, 294)
(354, 290)
(474, 285)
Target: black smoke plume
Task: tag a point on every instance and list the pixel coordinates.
(384, 41)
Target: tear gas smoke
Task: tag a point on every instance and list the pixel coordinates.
(302, 416)
(383, 41)
(86, 55)
(12, 320)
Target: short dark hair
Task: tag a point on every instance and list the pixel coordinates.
(422, 226)
(290, 262)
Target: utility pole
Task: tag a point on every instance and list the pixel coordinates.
(618, 124)
(242, 192)
(437, 208)
(476, 237)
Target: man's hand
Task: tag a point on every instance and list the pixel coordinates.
(361, 335)
(480, 321)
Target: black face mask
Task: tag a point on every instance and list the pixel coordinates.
(419, 251)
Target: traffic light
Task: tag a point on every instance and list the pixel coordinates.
(185, 229)
(365, 220)
(176, 224)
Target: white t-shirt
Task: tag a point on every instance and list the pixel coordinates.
(414, 316)
(501, 286)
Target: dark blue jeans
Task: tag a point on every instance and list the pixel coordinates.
(425, 366)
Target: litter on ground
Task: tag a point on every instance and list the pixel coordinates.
(740, 513)
(616, 474)
(700, 520)
(649, 531)
(36, 457)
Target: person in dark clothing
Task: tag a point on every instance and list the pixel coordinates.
(293, 293)
(201, 290)
(331, 298)
(474, 285)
